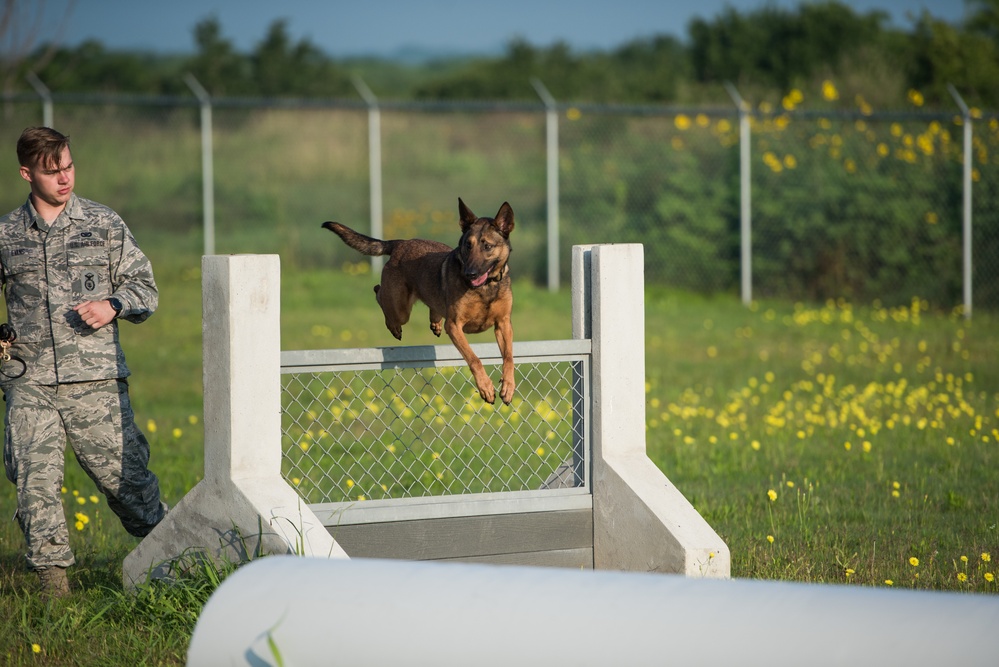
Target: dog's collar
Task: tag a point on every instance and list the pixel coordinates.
(501, 276)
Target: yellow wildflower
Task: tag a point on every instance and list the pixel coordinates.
(829, 91)
(772, 494)
(914, 562)
(770, 539)
(989, 577)
(889, 582)
(986, 557)
(962, 577)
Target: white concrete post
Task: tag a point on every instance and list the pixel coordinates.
(641, 521)
(242, 507)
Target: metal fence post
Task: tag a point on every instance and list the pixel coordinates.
(582, 328)
(207, 167)
(46, 95)
(966, 224)
(745, 214)
(551, 133)
(374, 163)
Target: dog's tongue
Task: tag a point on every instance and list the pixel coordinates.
(481, 280)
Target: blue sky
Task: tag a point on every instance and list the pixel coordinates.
(362, 27)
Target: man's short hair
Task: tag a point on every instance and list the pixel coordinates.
(41, 146)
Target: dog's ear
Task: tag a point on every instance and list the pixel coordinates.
(504, 219)
(467, 217)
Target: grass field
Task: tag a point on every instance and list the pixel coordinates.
(825, 443)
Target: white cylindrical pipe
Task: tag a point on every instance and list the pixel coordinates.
(304, 611)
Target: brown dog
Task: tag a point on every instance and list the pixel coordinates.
(468, 288)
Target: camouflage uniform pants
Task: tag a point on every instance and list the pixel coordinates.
(96, 419)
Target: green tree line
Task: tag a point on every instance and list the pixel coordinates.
(765, 52)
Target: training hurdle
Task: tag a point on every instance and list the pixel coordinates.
(614, 510)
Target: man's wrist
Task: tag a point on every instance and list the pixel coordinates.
(116, 304)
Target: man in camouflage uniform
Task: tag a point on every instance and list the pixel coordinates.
(70, 269)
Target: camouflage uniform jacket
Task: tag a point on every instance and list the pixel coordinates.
(86, 254)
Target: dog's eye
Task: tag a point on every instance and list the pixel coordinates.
(487, 246)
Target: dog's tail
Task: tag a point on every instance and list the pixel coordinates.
(359, 242)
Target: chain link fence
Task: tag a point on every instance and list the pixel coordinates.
(863, 206)
(407, 423)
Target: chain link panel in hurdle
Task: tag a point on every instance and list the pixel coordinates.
(391, 423)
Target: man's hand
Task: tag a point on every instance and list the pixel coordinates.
(95, 314)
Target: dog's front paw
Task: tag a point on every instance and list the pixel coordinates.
(506, 391)
(487, 391)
